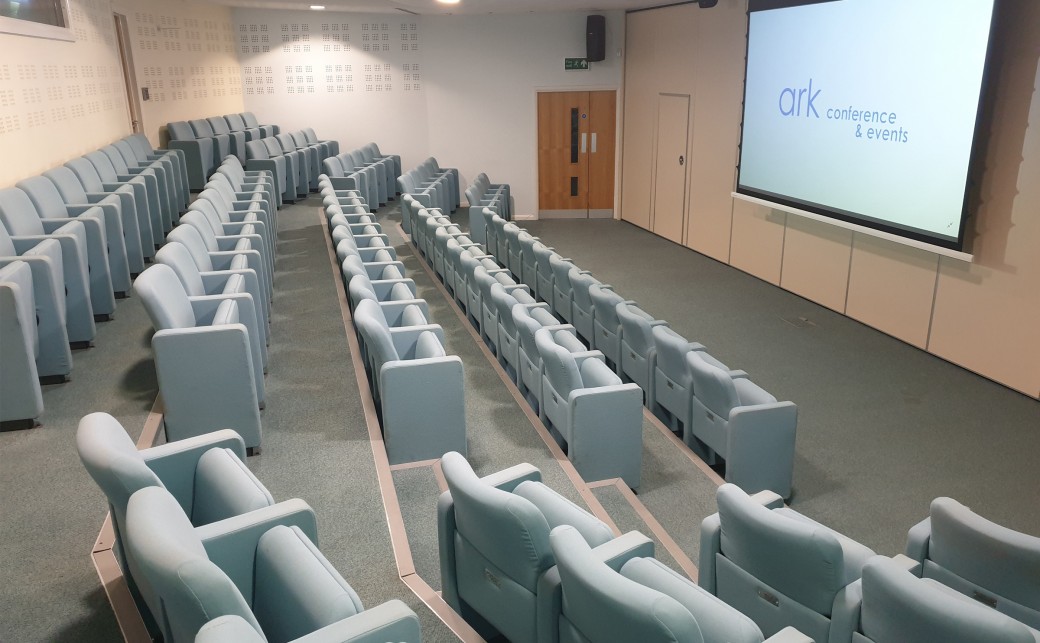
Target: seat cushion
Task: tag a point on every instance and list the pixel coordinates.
(717, 620)
(225, 487)
(428, 346)
(296, 590)
(749, 393)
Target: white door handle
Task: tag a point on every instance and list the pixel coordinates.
(584, 142)
(593, 142)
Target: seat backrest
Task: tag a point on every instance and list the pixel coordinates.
(128, 152)
(18, 213)
(86, 173)
(193, 242)
(67, 184)
(309, 135)
(333, 167)
(104, 166)
(274, 148)
(898, 606)
(164, 298)
(504, 303)
(250, 119)
(671, 355)
(801, 560)
(44, 196)
(286, 141)
(113, 461)
(580, 284)
(713, 386)
(635, 328)
(980, 551)
(542, 254)
(141, 144)
(561, 272)
(603, 605)
(605, 303)
(526, 327)
(7, 248)
(178, 257)
(505, 528)
(171, 556)
(117, 159)
(561, 369)
(235, 122)
(257, 150)
(299, 138)
(202, 128)
(180, 131)
(217, 125)
(371, 323)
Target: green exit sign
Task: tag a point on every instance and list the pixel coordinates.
(571, 64)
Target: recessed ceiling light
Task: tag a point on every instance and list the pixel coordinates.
(448, 1)
(318, 7)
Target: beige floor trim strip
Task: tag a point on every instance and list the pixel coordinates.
(438, 473)
(414, 465)
(129, 619)
(683, 449)
(568, 467)
(657, 529)
(391, 505)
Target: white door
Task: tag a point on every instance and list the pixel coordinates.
(669, 204)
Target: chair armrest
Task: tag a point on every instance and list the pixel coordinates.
(768, 499)
(405, 338)
(788, 635)
(624, 548)
(760, 447)
(390, 621)
(231, 543)
(917, 541)
(710, 544)
(909, 564)
(508, 479)
(658, 322)
(174, 463)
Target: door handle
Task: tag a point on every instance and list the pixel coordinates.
(584, 142)
(682, 160)
(593, 142)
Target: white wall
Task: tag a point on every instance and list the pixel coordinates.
(984, 316)
(460, 88)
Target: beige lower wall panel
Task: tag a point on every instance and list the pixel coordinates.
(816, 261)
(758, 240)
(891, 288)
(638, 125)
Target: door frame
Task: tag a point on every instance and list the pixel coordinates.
(619, 100)
(126, 66)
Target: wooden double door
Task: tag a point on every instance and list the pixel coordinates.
(576, 143)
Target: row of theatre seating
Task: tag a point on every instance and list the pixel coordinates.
(520, 561)
(71, 241)
(209, 299)
(366, 171)
(210, 556)
(416, 386)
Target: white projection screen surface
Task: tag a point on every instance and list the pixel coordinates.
(865, 111)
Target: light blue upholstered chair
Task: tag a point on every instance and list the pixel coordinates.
(253, 201)
(528, 321)
(298, 167)
(501, 251)
(398, 312)
(417, 387)
(542, 255)
(606, 324)
(175, 160)
(221, 142)
(260, 157)
(82, 241)
(453, 245)
(124, 155)
(310, 156)
(898, 606)
(145, 192)
(994, 565)
(54, 321)
(204, 218)
(238, 124)
(72, 193)
(236, 258)
(735, 419)
(200, 155)
(385, 279)
(596, 418)
(233, 218)
(583, 313)
(495, 557)
(470, 263)
(263, 567)
(488, 310)
(507, 342)
(391, 621)
(260, 181)
(251, 121)
(207, 358)
(779, 567)
(133, 202)
(514, 250)
(619, 592)
(372, 151)
(529, 264)
(673, 382)
(638, 356)
(21, 398)
(562, 291)
(205, 474)
(237, 140)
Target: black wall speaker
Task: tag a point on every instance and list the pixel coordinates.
(707, 4)
(595, 38)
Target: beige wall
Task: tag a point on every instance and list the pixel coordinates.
(984, 316)
(61, 99)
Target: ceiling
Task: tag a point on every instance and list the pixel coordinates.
(469, 7)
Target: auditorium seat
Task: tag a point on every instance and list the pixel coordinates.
(146, 191)
(240, 257)
(606, 324)
(508, 340)
(673, 382)
(204, 474)
(735, 419)
(207, 359)
(495, 557)
(61, 314)
(638, 353)
(133, 201)
(251, 122)
(583, 313)
(779, 567)
(20, 392)
(994, 565)
(204, 219)
(620, 592)
(219, 127)
(123, 152)
(418, 388)
(238, 124)
(596, 418)
(528, 321)
(200, 154)
(88, 252)
(259, 158)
